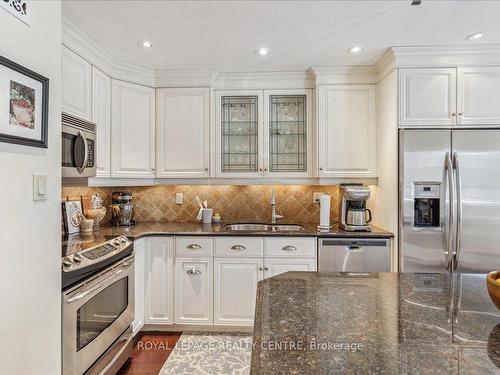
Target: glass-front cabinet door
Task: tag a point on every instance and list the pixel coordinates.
(287, 129)
(264, 133)
(239, 134)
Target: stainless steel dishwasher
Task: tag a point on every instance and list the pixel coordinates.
(354, 255)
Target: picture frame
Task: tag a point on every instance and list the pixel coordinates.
(24, 105)
(72, 216)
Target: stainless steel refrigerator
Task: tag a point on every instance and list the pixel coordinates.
(449, 200)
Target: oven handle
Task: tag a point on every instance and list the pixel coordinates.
(124, 266)
(86, 150)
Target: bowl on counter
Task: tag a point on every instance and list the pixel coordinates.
(493, 284)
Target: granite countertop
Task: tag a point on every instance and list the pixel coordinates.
(81, 241)
(378, 323)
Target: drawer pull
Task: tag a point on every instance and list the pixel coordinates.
(238, 247)
(194, 246)
(193, 271)
(289, 248)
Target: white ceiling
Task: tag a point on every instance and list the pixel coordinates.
(223, 35)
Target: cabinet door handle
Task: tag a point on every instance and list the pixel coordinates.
(260, 269)
(460, 113)
(266, 269)
(194, 246)
(289, 248)
(265, 169)
(193, 271)
(453, 114)
(320, 169)
(206, 169)
(238, 247)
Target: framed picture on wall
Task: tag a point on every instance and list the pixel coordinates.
(24, 102)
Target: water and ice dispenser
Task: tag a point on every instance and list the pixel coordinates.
(427, 205)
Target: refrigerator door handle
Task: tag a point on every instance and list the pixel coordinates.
(451, 218)
(458, 184)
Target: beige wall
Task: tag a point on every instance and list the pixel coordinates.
(385, 193)
(30, 250)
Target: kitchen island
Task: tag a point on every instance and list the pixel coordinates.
(375, 323)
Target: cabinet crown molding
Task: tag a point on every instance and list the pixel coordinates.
(437, 56)
(264, 80)
(358, 74)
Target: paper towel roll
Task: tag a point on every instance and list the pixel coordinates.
(324, 213)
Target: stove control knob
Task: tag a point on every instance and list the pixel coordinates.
(67, 262)
(77, 258)
(116, 242)
(123, 239)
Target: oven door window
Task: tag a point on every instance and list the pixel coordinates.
(100, 312)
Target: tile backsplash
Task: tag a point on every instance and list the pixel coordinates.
(234, 203)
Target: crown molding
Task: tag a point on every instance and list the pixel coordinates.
(356, 74)
(264, 80)
(385, 64)
(185, 78)
(446, 56)
(80, 43)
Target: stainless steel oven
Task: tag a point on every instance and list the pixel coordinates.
(78, 147)
(97, 315)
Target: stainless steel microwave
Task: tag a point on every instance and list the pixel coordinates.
(78, 147)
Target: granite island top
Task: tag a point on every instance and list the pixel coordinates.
(377, 323)
(142, 229)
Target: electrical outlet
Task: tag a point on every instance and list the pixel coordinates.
(179, 198)
(316, 197)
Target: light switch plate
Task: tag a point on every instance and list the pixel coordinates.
(179, 198)
(39, 187)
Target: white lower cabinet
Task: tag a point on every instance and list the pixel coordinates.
(235, 290)
(196, 280)
(159, 294)
(275, 266)
(139, 283)
(193, 291)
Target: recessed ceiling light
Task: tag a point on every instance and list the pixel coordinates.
(477, 36)
(262, 51)
(355, 49)
(146, 44)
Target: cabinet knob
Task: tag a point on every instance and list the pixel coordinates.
(320, 169)
(260, 269)
(206, 169)
(460, 113)
(266, 269)
(193, 271)
(265, 169)
(153, 169)
(453, 114)
(260, 169)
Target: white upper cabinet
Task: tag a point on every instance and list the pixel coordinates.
(288, 133)
(101, 115)
(183, 133)
(239, 129)
(159, 277)
(347, 131)
(427, 97)
(132, 130)
(76, 85)
(478, 96)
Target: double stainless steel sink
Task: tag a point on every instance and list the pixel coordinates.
(244, 227)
